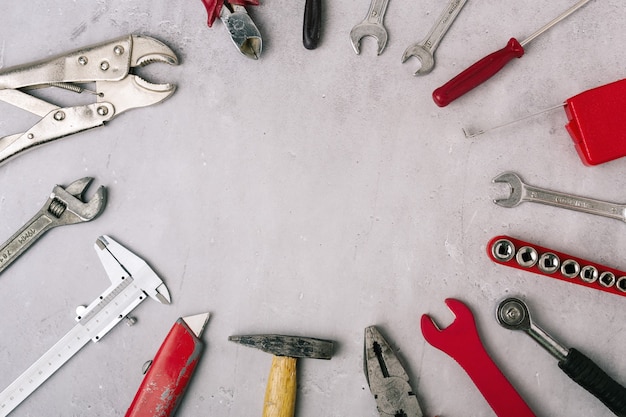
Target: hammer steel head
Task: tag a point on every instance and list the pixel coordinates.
(291, 346)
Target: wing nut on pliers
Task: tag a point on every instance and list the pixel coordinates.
(109, 65)
(387, 379)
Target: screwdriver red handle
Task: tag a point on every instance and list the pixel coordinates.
(166, 381)
(477, 74)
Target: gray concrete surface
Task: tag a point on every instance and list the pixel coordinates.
(315, 193)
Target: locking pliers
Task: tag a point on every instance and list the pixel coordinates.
(387, 378)
(108, 65)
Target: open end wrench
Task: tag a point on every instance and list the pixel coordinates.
(371, 26)
(521, 192)
(461, 341)
(64, 206)
(424, 51)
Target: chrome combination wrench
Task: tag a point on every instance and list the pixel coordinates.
(512, 313)
(64, 206)
(372, 26)
(425, 50)
(521, 192)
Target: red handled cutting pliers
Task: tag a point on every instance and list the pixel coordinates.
(243, 31)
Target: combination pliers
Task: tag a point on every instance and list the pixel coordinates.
(387, 379)
(108, 65)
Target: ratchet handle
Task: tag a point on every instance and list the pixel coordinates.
(477, 74)
(312, 23)
(588, 375)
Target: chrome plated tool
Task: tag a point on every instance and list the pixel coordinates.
(169, 373)
(108, 65)
(512, 313)
(372, 26)
(424, 51)
(490, 65)
(526, 256)
(521, 192)
(387, 379)
(64, 206)
(131, 281)
(461, 341)
(243, 32)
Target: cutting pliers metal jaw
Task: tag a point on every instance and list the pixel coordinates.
(387, 379)
(109, 65)
(243, 31)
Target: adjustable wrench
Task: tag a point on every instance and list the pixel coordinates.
(425, 50)
(372, 26)
(461, 341)
(64, 206)
(521, 192)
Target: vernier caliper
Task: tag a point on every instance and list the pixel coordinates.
(131, 281)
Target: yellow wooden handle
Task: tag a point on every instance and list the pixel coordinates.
(280, 395)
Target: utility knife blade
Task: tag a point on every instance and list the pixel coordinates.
(166, 381)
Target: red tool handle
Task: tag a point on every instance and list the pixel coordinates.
(477, 74)
(166, 381)
(460, 340)
(213, 7)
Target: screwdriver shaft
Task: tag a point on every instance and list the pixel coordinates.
(553, 22)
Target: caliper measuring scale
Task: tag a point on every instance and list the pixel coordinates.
(132, 281)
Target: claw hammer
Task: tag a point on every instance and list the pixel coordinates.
(280, 394)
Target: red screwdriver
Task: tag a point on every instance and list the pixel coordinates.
(487, 67)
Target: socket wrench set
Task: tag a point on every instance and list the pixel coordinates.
(526, 256)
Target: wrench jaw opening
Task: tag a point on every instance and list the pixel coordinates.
(69, 207)
(515, 184)
(426, 59)
(462, 328)
(363, 30)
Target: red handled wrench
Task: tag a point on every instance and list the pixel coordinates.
(460, 340)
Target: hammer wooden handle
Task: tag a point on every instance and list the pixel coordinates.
(280, 395)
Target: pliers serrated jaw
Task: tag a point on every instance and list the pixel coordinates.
(387, 379)
(108, 65)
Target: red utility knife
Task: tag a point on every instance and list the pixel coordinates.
(166, 380)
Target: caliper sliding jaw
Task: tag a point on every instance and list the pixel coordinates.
(132, 281)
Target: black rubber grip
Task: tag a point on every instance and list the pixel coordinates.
(312, 23)
(589, 376)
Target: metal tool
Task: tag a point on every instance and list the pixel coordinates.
(64, 206)
(372, 26)
(521, 192)
(490, 65)
(131, 280)
(280, 395)
(387, 379)
(171, 370)
(461, 341)
(516, 253)
(512, 313)
(243, 32)
(424, 51)
(107, 64)
(312, 26)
